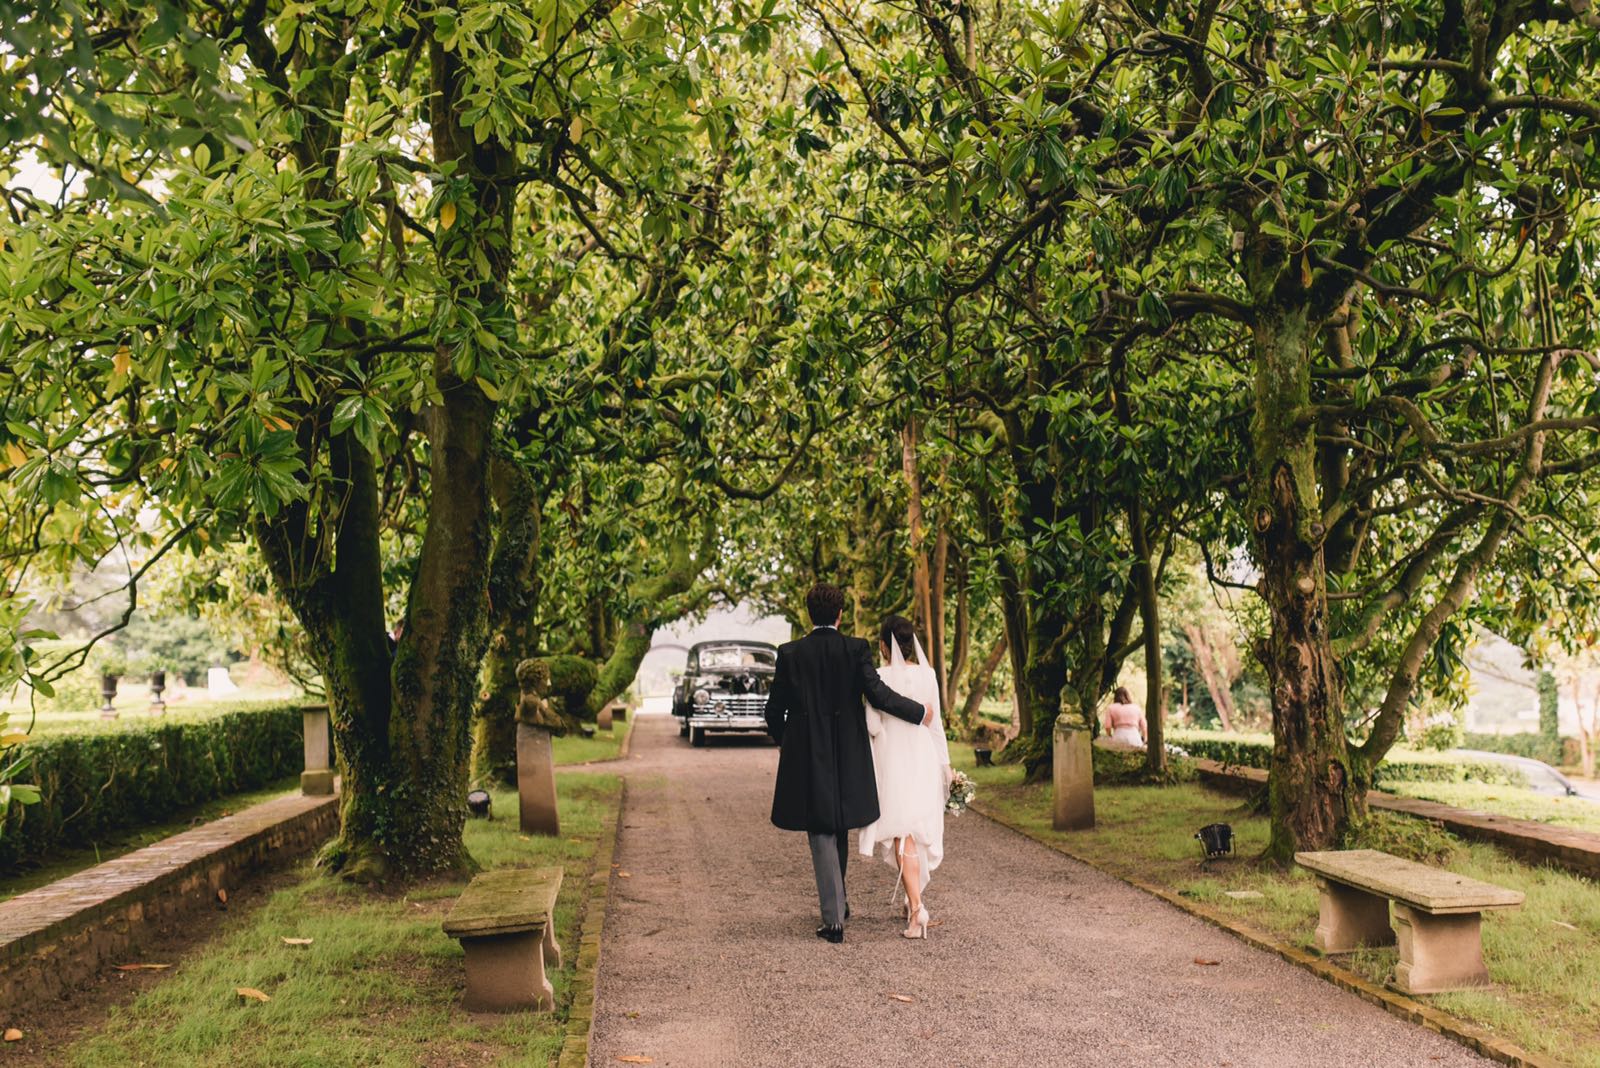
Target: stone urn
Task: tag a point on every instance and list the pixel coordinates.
(108, 696)
(158, 686)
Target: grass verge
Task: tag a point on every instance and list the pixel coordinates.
(1545, 958)
(605, 745)
(70, 862)
(380, 983)
(1513, 801)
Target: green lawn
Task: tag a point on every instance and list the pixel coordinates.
(380, 984)
(605, 745)
(1513, 801)
(131, 838)
(1545, 958)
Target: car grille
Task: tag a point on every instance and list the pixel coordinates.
(741, 704)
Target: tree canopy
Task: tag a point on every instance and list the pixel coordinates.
(520, 331)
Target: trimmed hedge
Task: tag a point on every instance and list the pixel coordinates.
(1255, 751)
(1535, 746)
(101, 781)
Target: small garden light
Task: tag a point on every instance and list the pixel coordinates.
(1216, 839)
(478, 804)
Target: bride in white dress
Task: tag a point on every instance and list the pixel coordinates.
(912, 765)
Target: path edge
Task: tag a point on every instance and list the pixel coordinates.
(580, 1014)
(1408, 1009)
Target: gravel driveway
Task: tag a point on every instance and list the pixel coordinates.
(710, 960)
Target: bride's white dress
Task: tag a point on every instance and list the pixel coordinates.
(911, 763)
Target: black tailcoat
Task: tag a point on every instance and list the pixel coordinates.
(814, 711)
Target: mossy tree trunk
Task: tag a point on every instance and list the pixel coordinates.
(403, 725)
(514, 590)
(1314, 791)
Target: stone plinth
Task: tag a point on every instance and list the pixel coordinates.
(317, 779)
(604, 720)
(536, 781)
(1073, 779)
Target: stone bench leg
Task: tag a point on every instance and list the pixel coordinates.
(505, 973)
(1348, 919)
(552, 949)
(1438, 953)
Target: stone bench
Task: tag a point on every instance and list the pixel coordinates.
(505, 921)
(1437, 915)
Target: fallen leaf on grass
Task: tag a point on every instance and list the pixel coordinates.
(633, 1015)
(636, 1058)
(13, 1035)
(297, 941)
(906, 998)
(1560, 923)
(252, 993)
(524, 837)
(1207, 963)
(142, 967)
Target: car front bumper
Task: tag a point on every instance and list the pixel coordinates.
(743, 721)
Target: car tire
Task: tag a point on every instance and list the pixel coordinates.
(697, 737)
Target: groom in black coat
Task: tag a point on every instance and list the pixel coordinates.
(814, 711)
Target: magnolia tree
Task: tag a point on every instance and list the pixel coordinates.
(302, 263)
(1359, 237)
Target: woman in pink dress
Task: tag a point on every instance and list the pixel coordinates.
(1124, 720)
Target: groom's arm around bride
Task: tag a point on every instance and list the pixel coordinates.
(825, 784)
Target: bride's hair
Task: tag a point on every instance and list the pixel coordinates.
(898, 628)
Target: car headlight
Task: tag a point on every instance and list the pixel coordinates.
(701, 697)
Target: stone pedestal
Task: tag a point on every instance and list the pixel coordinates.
(506, 972)
(1348, 918)
(536, 781)
(317, 779)
(1073, 779)
(1438, 952)
(603, 720)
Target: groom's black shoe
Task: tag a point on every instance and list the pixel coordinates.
(832, 934)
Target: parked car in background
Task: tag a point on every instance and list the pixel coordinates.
(1539, 777)
(724, 689)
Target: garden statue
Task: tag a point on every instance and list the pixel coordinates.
(536, 772)
(534, 707)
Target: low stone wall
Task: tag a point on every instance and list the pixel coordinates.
(1527, 840)
(56, 937)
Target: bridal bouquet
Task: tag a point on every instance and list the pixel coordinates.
(962, 791)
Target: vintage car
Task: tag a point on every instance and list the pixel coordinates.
(724, 688)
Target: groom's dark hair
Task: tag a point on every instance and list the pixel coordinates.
(825, 604)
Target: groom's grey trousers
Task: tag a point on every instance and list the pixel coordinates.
(830, 855)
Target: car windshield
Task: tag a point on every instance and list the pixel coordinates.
(736, 656)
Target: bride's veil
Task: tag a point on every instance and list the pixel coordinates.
(897, 658)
